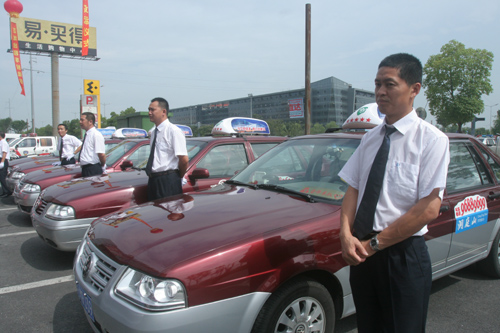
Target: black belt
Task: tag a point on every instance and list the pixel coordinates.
(162, 173)
(89, 165)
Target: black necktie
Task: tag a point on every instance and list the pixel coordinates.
(149, 166)
(81, 150)
(60, 149)
(363, 223)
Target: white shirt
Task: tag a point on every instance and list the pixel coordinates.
(70, 144)
(170, 143)
(93, 145)
(417, 164)
(4, 148)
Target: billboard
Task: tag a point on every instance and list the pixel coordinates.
(296, 107)
(47, 36)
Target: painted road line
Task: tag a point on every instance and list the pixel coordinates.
(19, 233)
(38, 284)
(8, 208)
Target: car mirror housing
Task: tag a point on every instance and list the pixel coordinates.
(199, 173)
(126, 164)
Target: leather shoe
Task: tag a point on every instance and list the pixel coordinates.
(5, 195)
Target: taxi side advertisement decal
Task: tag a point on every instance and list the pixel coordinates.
(470, 213)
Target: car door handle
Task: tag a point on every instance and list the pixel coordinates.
(443, 209)
(494, 196)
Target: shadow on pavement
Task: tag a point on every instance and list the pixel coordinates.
(69, 316)
(39, 255)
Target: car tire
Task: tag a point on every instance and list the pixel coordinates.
(491, 264)
(299, 303)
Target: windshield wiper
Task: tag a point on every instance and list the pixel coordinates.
(286, 190)
(237, 182)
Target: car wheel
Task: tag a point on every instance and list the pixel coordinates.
(491, 264)
(299, 306)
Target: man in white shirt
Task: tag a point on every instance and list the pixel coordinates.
(67, 145)
(4, 165)
(168, 160)
(382, 237)
(92, 154)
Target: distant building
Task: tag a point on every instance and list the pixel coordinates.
(331, 100)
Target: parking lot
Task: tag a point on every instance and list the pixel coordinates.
(37, 292)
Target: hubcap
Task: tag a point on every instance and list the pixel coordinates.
(303, 315)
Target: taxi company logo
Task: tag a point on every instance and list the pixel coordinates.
(362, 110)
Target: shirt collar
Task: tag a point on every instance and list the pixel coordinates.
(164, 124)
(404, 124)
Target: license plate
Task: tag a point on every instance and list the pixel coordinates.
(86, 302)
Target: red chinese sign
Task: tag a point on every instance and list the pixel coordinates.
(85, 28)
(296, 108)
(17, 56)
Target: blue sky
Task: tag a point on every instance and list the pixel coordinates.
(193, 52)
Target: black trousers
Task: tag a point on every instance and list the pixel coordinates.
(391, 288)
(89, 170)
(3, 178)
(66, 161)
(164, 186)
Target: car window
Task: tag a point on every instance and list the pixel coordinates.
(140, 155)
(46, 142)
(492, 163)
(224, 160)
(28, 143)
(310, 166)
(117, 152)
(261, 148)
(194, 147)
(466, 170)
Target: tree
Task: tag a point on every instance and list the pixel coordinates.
(5, 124)
(455, 80)
(44, 131)
(19, 125)
(496, 125)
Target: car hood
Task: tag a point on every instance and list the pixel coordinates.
(196, 225)
(51, 172)
(67, 191)
(34, 164)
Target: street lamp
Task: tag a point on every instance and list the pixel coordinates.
(491, 108)
(251, 107)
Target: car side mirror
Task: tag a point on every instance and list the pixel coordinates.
(126, 164)
(199, 173)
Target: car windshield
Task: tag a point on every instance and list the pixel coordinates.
(118, 151)
(309, 166)
(194, 147)
(14, 142)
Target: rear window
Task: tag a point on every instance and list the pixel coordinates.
(46, 142)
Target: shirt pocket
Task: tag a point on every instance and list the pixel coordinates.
(403, 180)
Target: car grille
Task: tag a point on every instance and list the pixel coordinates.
(40, 206)
(99, 270)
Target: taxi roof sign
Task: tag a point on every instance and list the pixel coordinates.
(239, 125)
(130, 133)
(366, 117)
(185, 129)
(107, 132)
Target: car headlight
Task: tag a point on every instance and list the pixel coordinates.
(17, 175)
(58, 212)
(151, 293)
(31, 188)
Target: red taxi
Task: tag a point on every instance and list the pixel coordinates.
(261, 252)
(211, 161)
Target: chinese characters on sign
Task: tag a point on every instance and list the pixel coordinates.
(85, 28)
(296, 108)
(470, 213)
(46, 36)
(17, 57)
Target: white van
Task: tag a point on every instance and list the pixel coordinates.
(36, 145)
(11, 137)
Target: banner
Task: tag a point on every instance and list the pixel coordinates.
(85, 28)
(46, 36)
(296, 108)
(17, 56)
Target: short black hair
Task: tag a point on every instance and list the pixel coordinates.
(65, 126)
(410, 68)
(162, 102)
(2, 134)
(90, 117)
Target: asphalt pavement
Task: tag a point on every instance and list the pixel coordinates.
(38, 294)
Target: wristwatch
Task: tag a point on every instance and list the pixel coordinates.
(374, 243)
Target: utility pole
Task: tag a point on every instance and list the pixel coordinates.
(307, 104)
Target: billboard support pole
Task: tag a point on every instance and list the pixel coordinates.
(54, 57)
(307, 104)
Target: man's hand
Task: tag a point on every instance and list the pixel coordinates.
(104, 169)
(353, 251)
(184, 181)
(56, 163)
